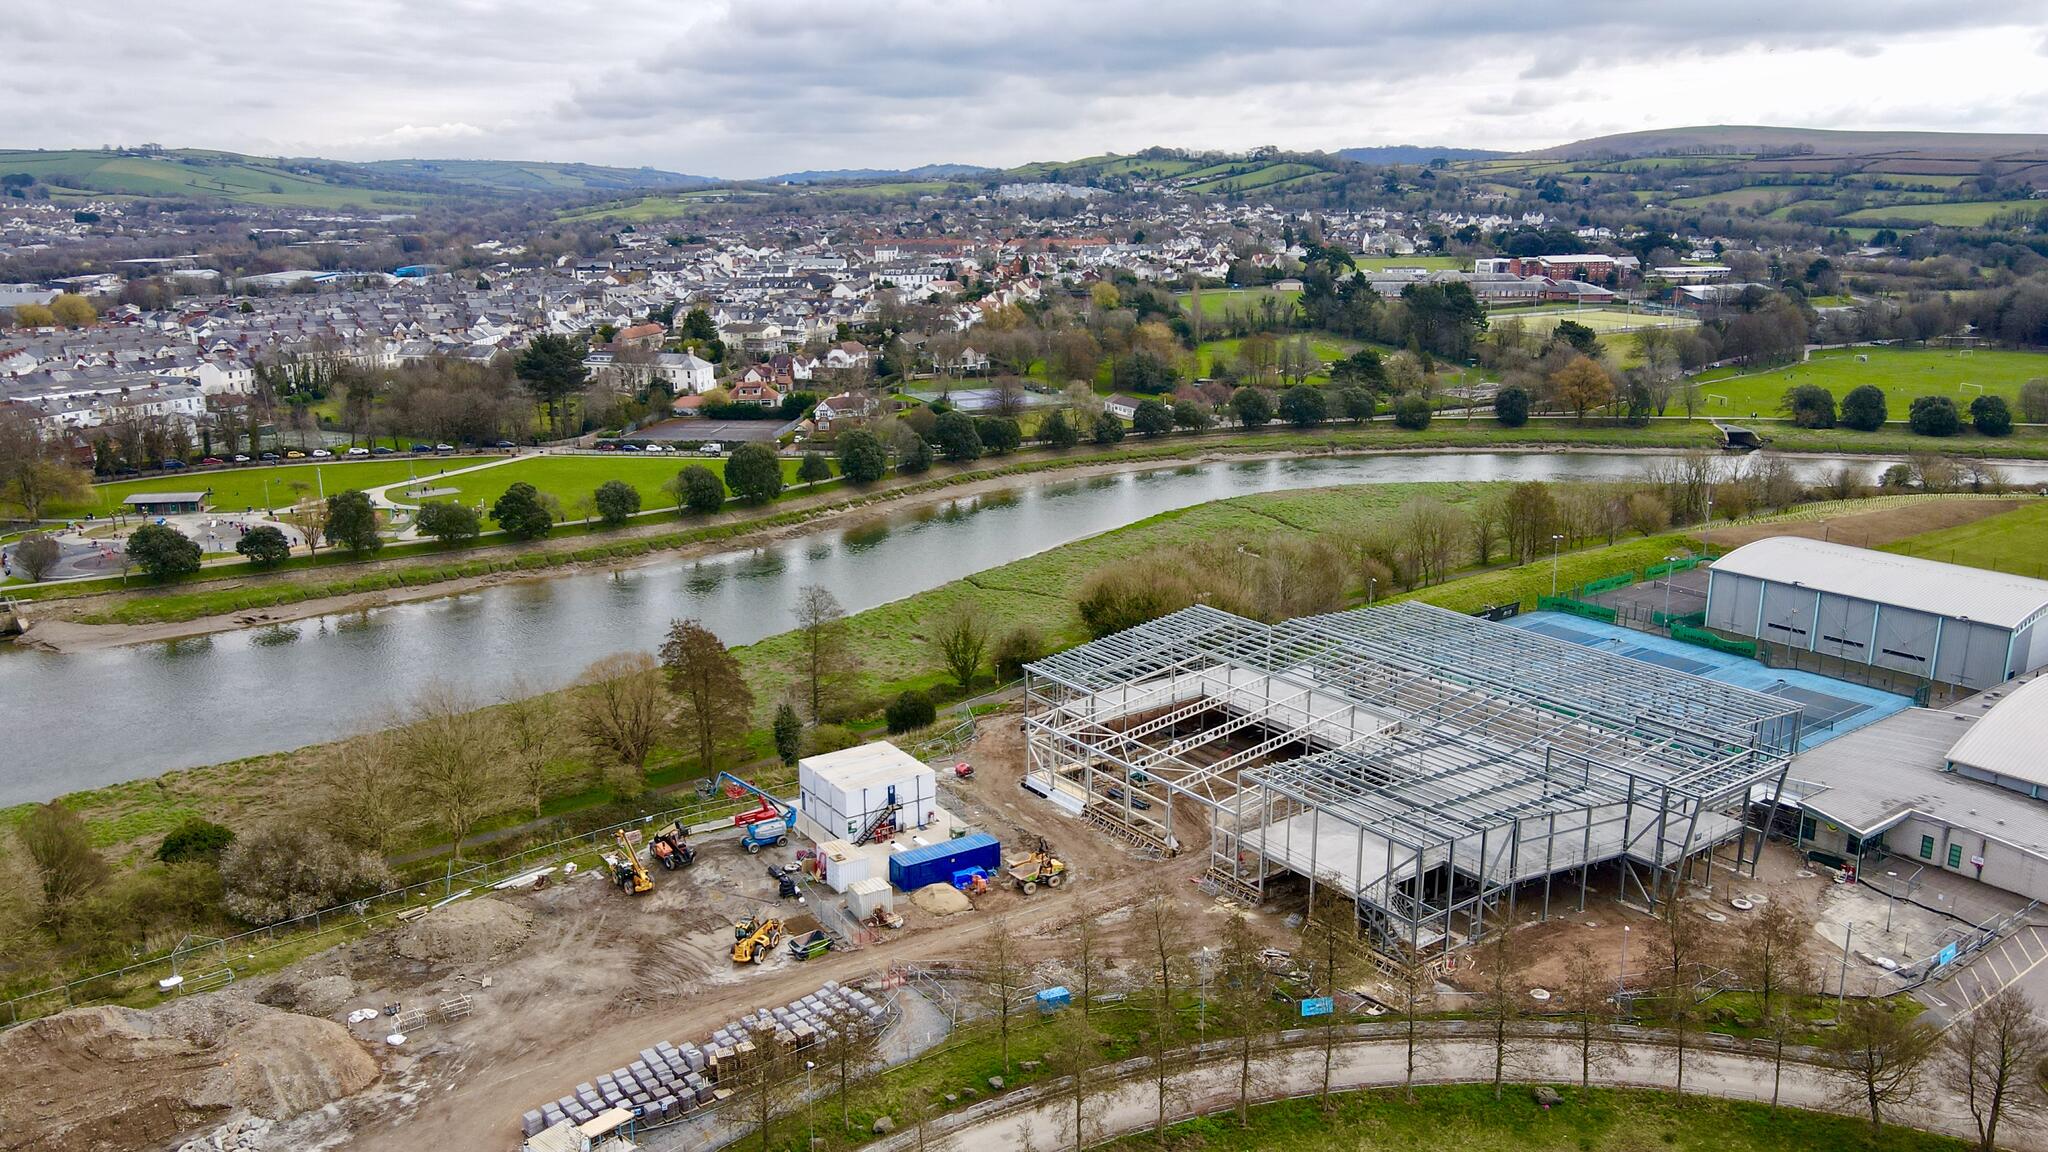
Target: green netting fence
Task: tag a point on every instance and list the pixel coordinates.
(1706, 639)
(1607, 583)
(1566, 604)
(1676, 619)
(1665, 569)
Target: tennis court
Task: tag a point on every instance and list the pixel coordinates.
(1832, 706)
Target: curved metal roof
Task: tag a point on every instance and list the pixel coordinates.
(2009, 740)
(1975, 594)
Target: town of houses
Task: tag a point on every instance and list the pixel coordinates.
(781, 304)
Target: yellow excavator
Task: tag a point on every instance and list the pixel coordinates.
(627, 871)
(754, 938)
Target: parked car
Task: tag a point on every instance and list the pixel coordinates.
(321, 454)
(381, 450)
(359, 451)
(713, 449)
(629, 447)
(607, 446)
(294, 454)
(423, 448)
(211, 461)
(504, 444)
(173, 464)
(240, 458)
(270, 456)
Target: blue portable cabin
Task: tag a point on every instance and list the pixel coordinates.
(936, 863)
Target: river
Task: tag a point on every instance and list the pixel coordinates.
(102, 717)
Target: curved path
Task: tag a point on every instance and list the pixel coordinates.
(380, 495)
(1042, 1116)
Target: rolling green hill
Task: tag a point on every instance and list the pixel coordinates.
(287, 182)
(536, 176)
(194, 174)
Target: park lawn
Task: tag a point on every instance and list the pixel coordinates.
(1214, 353)
(2015, 541)
(1903, 373)
(1216, 301)
(572, 479)
(1467, 1118)
(1601, 320)
(235, 489)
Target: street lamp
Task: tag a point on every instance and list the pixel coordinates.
(1621, 973)
(810, 1108)
(1668, 561)
(1370, 584)
(1555, 541)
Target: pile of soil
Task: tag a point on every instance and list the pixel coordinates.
(117, 1078)
(941, 900)
(469, 932)
(328, 995)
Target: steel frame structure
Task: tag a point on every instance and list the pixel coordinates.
(1422, 762)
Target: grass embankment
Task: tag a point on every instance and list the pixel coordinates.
(2015, 541)
(1467, 1118)
(1903, 373)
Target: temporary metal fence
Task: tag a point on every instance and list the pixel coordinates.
(197, 962)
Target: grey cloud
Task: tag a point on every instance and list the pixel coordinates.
(749, 87)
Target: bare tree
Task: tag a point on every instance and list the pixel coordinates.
(1770, 957)
(1991, 1057)
(366, 791)
(60, 850)
(1330, 938)
(1414, 983)
(849, 1056)
(1244, 1006)
(766, 1089)
(1880, 1055)
(623, 711)
(1587, 994)
(961, 640)
(535, 726)
(822, 656)
(454, 754)
(1086, 942)
(716, 703)
(1002, 979)
(1501, 997)
(310, 518)
(1680, 944)
(1165, 943)
(1076, 1052)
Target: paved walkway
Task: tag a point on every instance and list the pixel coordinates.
(380, 496)
(1043, 1117)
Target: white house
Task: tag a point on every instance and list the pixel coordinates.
(685, 372)
(840, 410)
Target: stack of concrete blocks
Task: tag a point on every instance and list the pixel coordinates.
(670, 1080)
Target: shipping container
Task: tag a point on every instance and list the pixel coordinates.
(935, 863)
(864, 896)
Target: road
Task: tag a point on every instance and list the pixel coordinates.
(1042, 1118)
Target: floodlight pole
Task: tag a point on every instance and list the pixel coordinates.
(1555, 541)
(1668, 561)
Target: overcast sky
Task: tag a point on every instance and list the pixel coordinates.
(757, 87)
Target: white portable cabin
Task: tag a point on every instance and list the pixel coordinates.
(840, 794)
(845, 865)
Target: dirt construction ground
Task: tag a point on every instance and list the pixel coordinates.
(575, 979)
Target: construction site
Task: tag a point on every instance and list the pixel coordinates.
(1446, 775)
(1434, 768)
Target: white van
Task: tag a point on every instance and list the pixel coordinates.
(713, 449)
